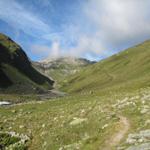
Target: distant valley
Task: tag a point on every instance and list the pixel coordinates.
(72, 103)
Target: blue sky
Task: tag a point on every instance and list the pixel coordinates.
(93, 29)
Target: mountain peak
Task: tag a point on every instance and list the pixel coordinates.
(68, 60)
(60, 68)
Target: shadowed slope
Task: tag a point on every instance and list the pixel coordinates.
(16, 69)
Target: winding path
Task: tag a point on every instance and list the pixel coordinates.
(116, 138)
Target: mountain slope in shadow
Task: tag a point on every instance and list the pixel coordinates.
(16, 71)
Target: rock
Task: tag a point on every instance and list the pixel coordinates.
(43, 125)
(74, 146)
(10, 128)
(105, 126)
(121, 148)
(77, 121)
(142, 136)
(145, 133)
(85, 137)
(144, 110)
(5, 120)
(43, 133)
(83, 111)
(44, 144)
(147, 122)
(13, 111)
(145, 146)
(130, 140)
(55, 118)
(21, 126)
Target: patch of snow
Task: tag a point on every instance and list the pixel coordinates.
(4, 103)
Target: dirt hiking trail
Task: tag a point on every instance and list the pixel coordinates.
(116, 138)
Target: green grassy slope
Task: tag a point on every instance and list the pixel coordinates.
(91, 121)
(130, 67)
(81, 122)
(16, 71)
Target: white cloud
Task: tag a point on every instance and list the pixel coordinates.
(98, 27)
(38, 49)
(107, 25)
(118, 21)
(52, 51)
(55, 49)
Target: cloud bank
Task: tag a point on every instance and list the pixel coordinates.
(113, 24)
(98, 28)
(107, 26)
(118, 21)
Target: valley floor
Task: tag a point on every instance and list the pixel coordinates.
(99, 121)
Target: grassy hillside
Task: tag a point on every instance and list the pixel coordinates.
(129, 68)
(83, 122)
(113, 116)
(61, 68)
(16, 71)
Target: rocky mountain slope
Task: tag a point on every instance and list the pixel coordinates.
(60, 68)
(16, 71)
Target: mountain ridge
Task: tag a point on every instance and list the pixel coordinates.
(60, 68)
